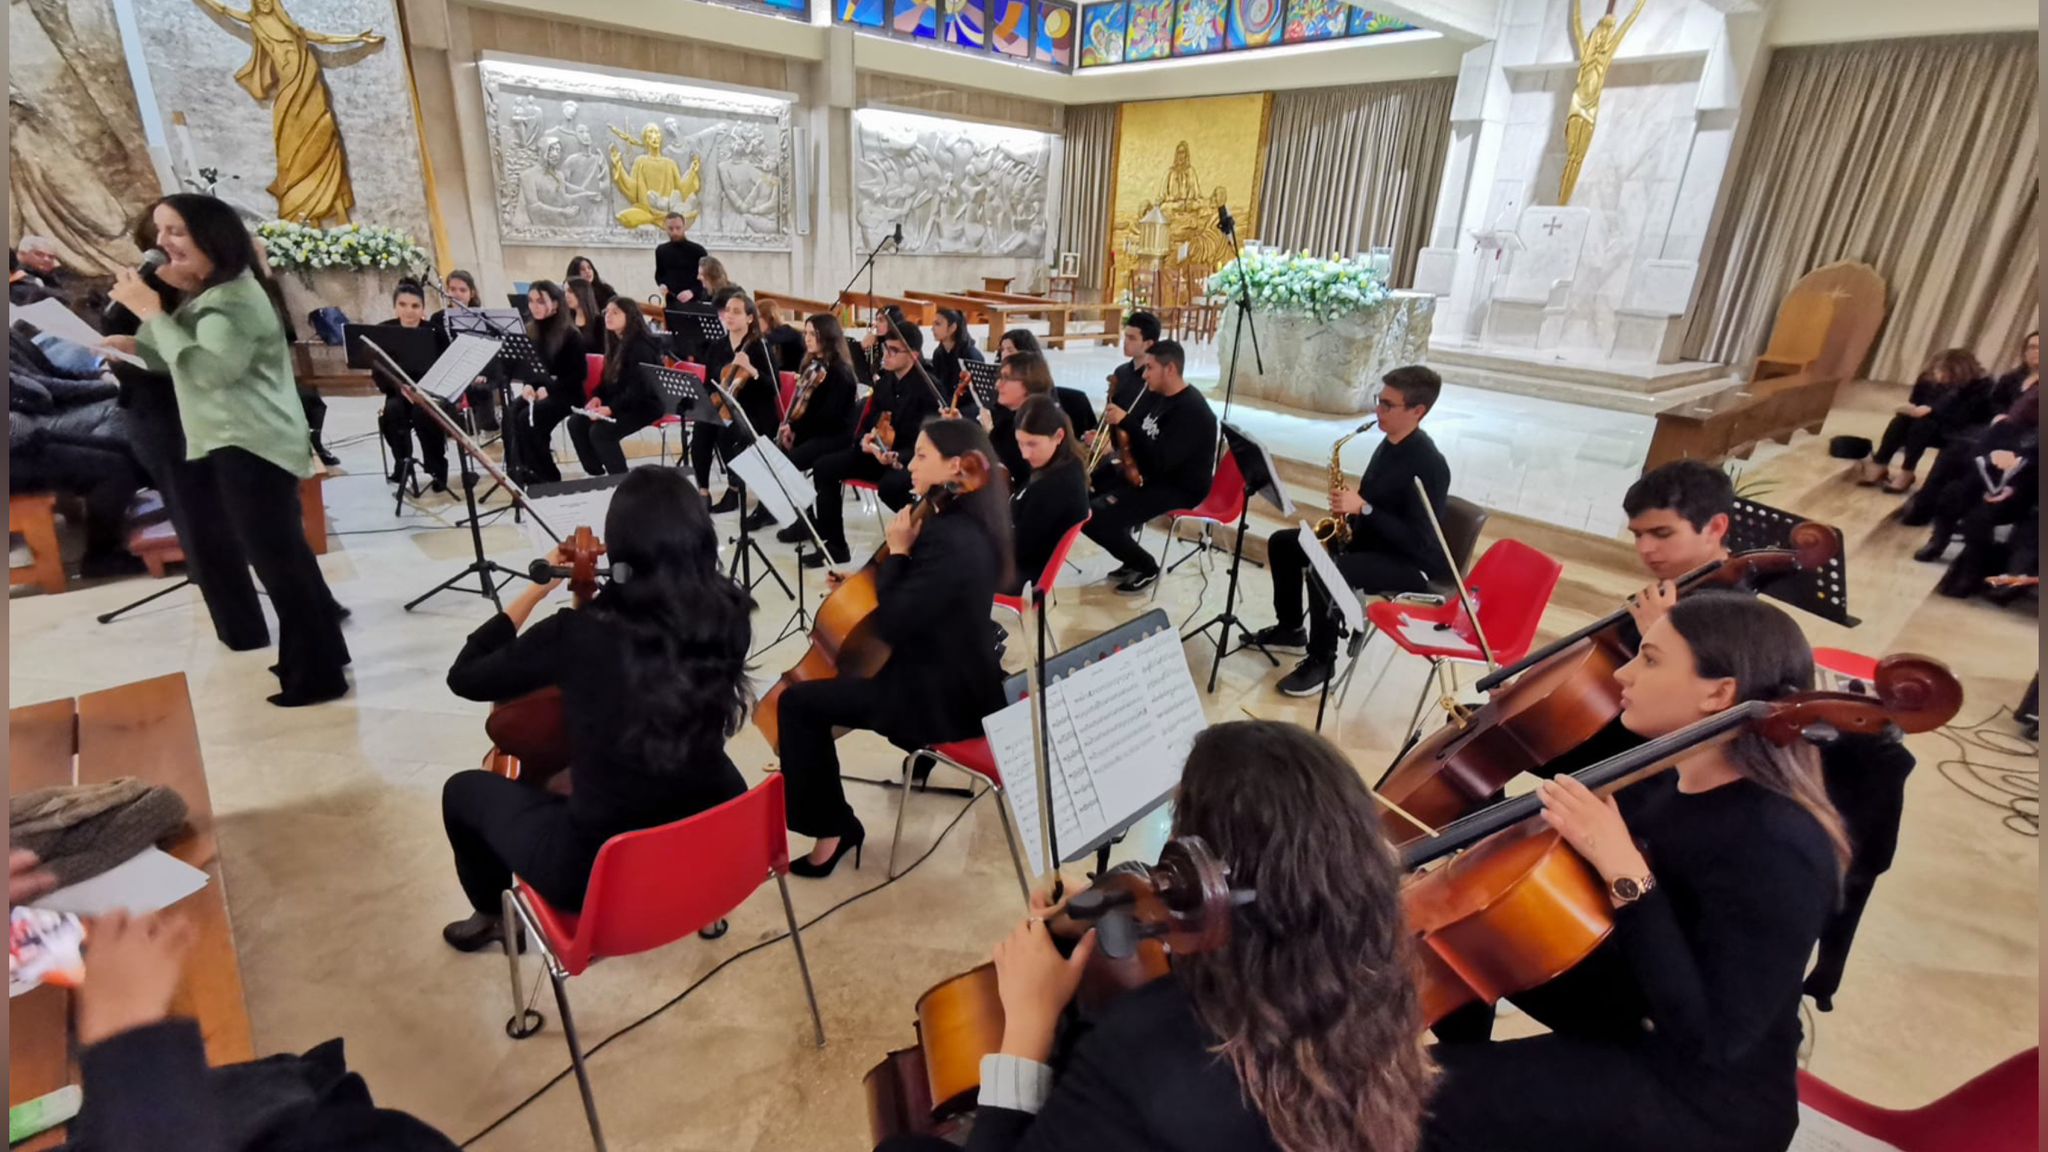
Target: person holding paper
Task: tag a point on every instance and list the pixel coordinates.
(535, 411)
(1173, 440)
(627, 397)
(747, 370)
(1298, 1035)
(653, 679)
(401, 420)
(934, 581)
(904, 396)
(1393, 548)
(462, 294)
(225, 351)
(1055, 497)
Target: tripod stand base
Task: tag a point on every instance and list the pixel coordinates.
(123, 610)
(488, 585)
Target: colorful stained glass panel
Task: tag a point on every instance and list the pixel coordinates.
(862, 13)
(1309, 20)
(1151, 33)
(1009, 27)
(1198, 27)
(962, 22)
(1102, 33)
(1366, 22)
(1254, 23)
(916, 18)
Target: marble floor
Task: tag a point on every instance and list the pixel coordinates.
(338, 877)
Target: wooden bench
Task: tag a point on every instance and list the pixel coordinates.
(918, 312)
(1055, 314)
(33, 517)
(803, 306)
(1734, 423)
(144, 729)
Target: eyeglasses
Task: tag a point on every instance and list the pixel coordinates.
(1383, 403)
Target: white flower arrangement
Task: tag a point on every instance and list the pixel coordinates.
(1300, 283)
(361, 247)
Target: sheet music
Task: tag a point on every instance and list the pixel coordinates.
(1119, 731)
(565, 512)
(462, 363)
(761, 465)
(1332, 579)
(1424, 634)
(1819, 1132)
(54, 318)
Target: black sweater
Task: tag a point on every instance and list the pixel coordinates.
(830, 410)
(584, 655)
(567, 366)
(633, 395)
(1126, 384)
(1173, 439)
(1955, 407)
(945, 364)
(675, 269)
(760, 397)
(908, 401)
(1394, 521)
(932, 611)
(1702, 976)
(1042, 510)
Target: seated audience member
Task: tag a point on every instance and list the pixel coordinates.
(1952, 394)
(401, 420)
(42, 265)
(1392, 547)
(627, 399)
(2014, 393)
(2011, 496)
(785, 342)
(582, 269)
(1054, 498)
(68, 435)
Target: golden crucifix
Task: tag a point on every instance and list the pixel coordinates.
(312, 183)
(1596, 56)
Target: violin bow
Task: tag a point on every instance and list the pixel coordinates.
(1464, 595)
(1048, 836)
(916, 359)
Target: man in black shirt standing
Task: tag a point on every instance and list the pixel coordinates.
(907, 399)
(675, 265)
(1173, 441)
(1392, 548)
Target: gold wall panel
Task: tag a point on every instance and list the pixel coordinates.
(1185, 156)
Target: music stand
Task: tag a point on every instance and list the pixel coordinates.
(742, 557)
(481, 566)
(693, 330)
(413, 350)
(521, 303)
(1823, 591)
(1261, 477)
(981, 381)
(771, 477)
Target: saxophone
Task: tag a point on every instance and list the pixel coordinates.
(1334, 530)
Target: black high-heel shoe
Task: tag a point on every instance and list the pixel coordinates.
(848, 842)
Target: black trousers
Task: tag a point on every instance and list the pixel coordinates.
(831, 470)
(807, 453)
(262, 502)
(315, 408)
(810, 762)
(1367, 571)
(497, 827)
(400, 421)
(532, 436)
(600, 446)
(1914, 434)
(1982, 554)
(719, 442)
(1120, 514)
(213, 556)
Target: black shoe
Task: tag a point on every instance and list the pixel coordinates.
(1279, 636)
(1136, 582)
(729, 502)
(1308, 677)
(326, 457)
(477, 933)
(794, 534)
(438, 484)
(820, 559)
(1120, 572)
(760, 520)
(1932, 551)
(400, 469)
(300, 698)
(848, 842)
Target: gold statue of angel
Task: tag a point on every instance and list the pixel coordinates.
(1596, 56)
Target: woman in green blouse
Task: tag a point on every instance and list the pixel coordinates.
(224, 349)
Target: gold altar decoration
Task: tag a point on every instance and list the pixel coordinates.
(1596, 56)
(1181, 159)
(654, 185)
(312, 185)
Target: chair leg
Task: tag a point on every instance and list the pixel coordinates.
(576, 1058)
(803, 964)
(509, 928)
(1164, 548)
(1010, 838)
(1422, 701)
(902, 802)
(1344, 685)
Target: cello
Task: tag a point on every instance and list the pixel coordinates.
(1519, 907)
(1561, 696)
(529, 737)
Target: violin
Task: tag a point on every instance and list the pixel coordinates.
(1519, 907)
(1141, 915)
(843, 640)
(1562, 696)
(800, 402)
(529, 735)
(732, 381)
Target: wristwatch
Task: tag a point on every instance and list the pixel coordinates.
(1627, 890)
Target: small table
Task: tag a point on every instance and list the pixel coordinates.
(996, 283)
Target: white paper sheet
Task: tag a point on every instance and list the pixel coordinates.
(147, 881)
(565, 513)
(1821, 1133)
(762, 465)
(1333, 581)
(1424, 634)
(456, 368)
(57, 320)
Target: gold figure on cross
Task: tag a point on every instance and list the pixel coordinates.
(1596, 56)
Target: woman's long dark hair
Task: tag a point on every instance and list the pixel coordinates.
(711, 268)
(592, 327)
(725, 296)
(216, 231)
(1314, 1000)
(832, 338)
(476, 296)
(1041, 415)
(1758, 646)
(687, 625)
(617, 347)
(548, 334)
(1954, 368)
(963, 338)
(989, 504)
(1022, 340)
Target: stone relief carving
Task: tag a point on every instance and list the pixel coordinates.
(584, 158)
(957, 188)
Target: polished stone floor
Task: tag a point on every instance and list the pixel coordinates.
(339, 878)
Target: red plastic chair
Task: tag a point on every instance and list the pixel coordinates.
(1999, 1111)
(786, 392)
(974, 758)
(1223, 505)
(1512, 583)
(593, 374)
(672, 420)
(1046, 579)
(652, 888)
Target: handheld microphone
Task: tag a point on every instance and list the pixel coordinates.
(1224, 222)
(117, 320)
(152, 260)
(542, 572)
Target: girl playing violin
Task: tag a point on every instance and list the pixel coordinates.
(1055, 497)
(1682, 1031)
(748, 371)
(1299, 1034)
(938, 575)
(653, 680)
(822, 413)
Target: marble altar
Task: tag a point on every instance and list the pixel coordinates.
(1330, 365)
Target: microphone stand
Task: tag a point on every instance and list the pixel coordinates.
(868, 266)
(1228, 227)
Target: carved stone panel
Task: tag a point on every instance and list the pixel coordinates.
(584, 158)
(958, 188)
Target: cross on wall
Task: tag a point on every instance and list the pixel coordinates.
(1550, 229)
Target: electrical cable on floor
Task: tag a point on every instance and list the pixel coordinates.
(591, 1052)
(2013, 788)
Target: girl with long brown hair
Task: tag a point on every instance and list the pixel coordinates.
(1054, 497)
(1953, 393)
(1681, 1032)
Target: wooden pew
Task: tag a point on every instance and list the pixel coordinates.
(918, 312)
(1734, 423)
(801, 305)
(144, 729)
(975, 310)
(1055, 314)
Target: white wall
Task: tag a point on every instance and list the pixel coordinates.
(1836, 21)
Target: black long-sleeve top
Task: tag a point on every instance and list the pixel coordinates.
(945, 365)
(675, 269)
(1702, 976)
(632, 393)
(567, 366)
(584, 654)
(1145, 1078)
(1074, 402)
(1042, 510)
(787, 345)
(1003, 438)
(760, 397)
(1173, 439)
(1394, 521)
(932, 610)
(830, 411)
(1126, 384)
(910, 404)
(1956, 407)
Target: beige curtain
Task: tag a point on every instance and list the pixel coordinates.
(1087, 186)
(1351, 168)
(1920, 158)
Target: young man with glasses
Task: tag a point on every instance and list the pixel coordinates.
(1392, 548)
(907, 398)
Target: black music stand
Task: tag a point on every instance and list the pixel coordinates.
(684, 396)
(411, 349)
(981, 381)
(1260, 479)
(521, 303)
(1823, 591)
(687, 332)
(748, 548)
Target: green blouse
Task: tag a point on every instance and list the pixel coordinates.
(226, 354)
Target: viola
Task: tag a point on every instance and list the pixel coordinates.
(843, 640)
(1141, 915)
(1519, 907)
(529, 735)
(1562, 696)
